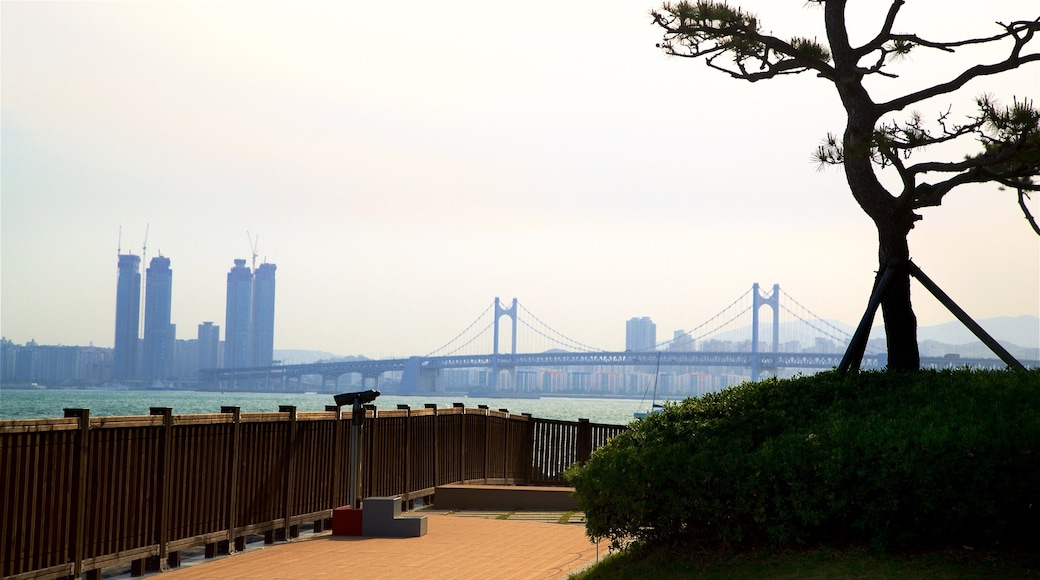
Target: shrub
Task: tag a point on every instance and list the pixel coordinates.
(890, 459)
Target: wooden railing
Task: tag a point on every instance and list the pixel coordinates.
(81, 494)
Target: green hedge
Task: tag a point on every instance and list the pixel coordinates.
(888, 459)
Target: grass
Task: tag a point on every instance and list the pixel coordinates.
(830, 563)
(824, 562)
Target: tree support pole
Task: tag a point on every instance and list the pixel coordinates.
(966, 320)
(858, 345)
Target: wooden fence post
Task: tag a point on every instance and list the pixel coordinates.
(462, 441)
(370, 449)
(505, 448)
(407, 453)
(337, 461)
(163, 523)
(487, 444)
(79, 494)
(231, 513)
(436, 445)
(288, 479)
(528, 449)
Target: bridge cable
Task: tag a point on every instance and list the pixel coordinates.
(724, 324)
(471, 325)
(816, 316)
(810, 324)
(710, 320)
(558, 333)
(706, 322)
(556, 341)
(470, 341)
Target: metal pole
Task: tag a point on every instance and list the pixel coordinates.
(854, 353)
(966, 320)
(356, 420)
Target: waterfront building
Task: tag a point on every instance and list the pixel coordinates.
(527, 381)
(54, 365)
(185, 363)
(640, 334)
(128, 317)
(8, 360)
(159, 334)
(262, 335)
(237, 316)
(554, 381)
(682, 342)
(209, 346)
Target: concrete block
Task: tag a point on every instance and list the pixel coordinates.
(505, 497)
(346, 521)
(383, 519)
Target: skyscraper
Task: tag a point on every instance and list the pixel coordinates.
(237, 316)
(640, 334)
(128, 317)
(263, 315)
(681, 342)
(209, 345)
(158, 332)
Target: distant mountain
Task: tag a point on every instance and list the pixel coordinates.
(1023, 331)
(1020, 331)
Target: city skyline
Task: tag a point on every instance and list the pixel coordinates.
(149, 351)
(64, 366)
(402, 184)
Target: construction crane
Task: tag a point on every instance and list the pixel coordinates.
(144, 252)
(144, 246)
(253, 244)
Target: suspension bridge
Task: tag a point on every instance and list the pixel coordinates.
(727, 348)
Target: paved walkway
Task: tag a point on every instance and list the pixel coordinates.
(455, 547)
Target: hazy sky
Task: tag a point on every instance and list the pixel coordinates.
(404, 163)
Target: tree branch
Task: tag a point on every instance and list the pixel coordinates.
(929, 195)
(884, 35)
(711, 29)
(968, 164)
(949, 46)
(1025, 210)
(1013, 61)
(953, 85)
(907, 178)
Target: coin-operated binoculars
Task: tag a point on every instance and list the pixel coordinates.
(357, 400)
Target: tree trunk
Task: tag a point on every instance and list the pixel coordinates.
(900, 321)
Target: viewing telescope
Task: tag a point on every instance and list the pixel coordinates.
(356, 400)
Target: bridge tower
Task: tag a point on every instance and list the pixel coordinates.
(499, 313)
(773, 301)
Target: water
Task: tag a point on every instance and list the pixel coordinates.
(49, 403)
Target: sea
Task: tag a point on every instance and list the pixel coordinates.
(50, 403)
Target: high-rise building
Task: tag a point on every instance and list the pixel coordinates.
(158, 332)
(237, 316)
(263, 316)
(681, 342)
(640, 334)
(209, 346)
(128, 317)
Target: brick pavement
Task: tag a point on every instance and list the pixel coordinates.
(455, 548)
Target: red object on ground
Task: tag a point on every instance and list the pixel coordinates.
(346, 521)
